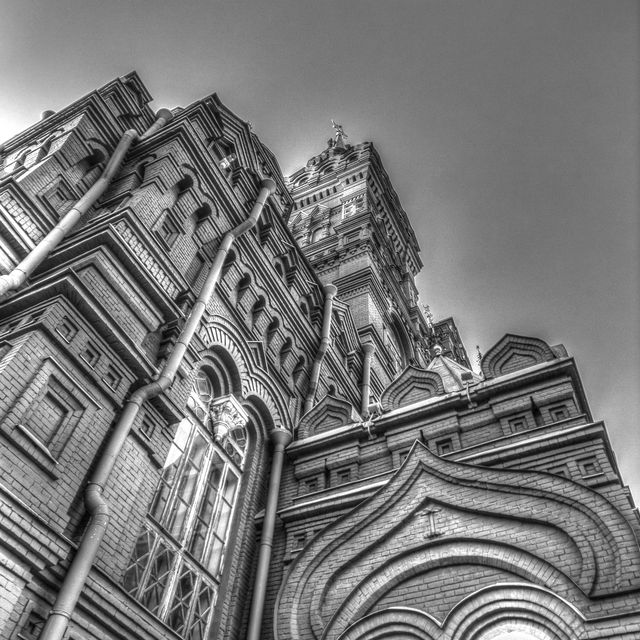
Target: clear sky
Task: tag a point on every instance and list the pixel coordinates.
(509, 129)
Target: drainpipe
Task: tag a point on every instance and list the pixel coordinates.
(329, 293)
(280, 438)
(96, 505)
(368, 348)
(36, 256)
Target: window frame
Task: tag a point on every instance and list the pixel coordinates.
(190, 517)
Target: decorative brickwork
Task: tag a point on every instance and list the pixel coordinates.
(458, 506)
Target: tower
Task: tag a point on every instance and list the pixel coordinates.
(349, 222)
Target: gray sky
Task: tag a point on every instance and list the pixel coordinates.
(509, 129)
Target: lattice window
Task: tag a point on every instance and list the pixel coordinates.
(179, 556)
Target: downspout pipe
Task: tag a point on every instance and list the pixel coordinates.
(280, 439)
(330, 291)
(368, 349)
(96, 505)
(18, 276)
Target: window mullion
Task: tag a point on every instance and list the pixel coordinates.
(168, 594)
(215, 513)
(171, 499)
(147, 569)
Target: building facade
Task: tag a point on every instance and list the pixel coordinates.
(225, 415)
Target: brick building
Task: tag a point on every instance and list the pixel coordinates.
(225, 416)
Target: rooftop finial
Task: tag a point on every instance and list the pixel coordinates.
(339, 137)
(478, 355)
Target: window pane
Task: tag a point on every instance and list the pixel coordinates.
(198, 449)
(215, 555)
(201, 612)
(203, 387)
(179, 443)
(202, 522)
(159, 573)
(231, 484)
(179, 608)
(217, 467)
(139, 560)
(160, 499)
(223, 519)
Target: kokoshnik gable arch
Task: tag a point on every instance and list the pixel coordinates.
(481, 506)
(174, 313)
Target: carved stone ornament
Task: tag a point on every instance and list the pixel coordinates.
(226, 415)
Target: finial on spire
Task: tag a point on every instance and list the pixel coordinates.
(339, 137)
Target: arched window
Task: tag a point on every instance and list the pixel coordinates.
(258, 309)
(279, 267)
(272, 329)
(94, 158)
(228, 262)
(44, 149)
(182, 186)
(317, 234)
(179, 556)
(285, 352)
(243, 286)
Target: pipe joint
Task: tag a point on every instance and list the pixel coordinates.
(12, 280)
(330, 290)
(95, 503)
(165, 114)
(270, 185)
(61, 612)
(280, 437)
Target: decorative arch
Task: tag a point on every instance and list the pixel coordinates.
(533, 610)
(224, 368)
(412, 385)
(574, 541)
(224, 341)
(400, 335)
(512, 353)
(329, 413)
(140, 170)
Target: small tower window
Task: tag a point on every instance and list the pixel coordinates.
(243, 285)
(258, 309)
(317, 234)
(94, 158)
(182, 186)
(272, 329)
(168, 232)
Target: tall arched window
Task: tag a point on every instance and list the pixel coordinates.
(179, 556)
